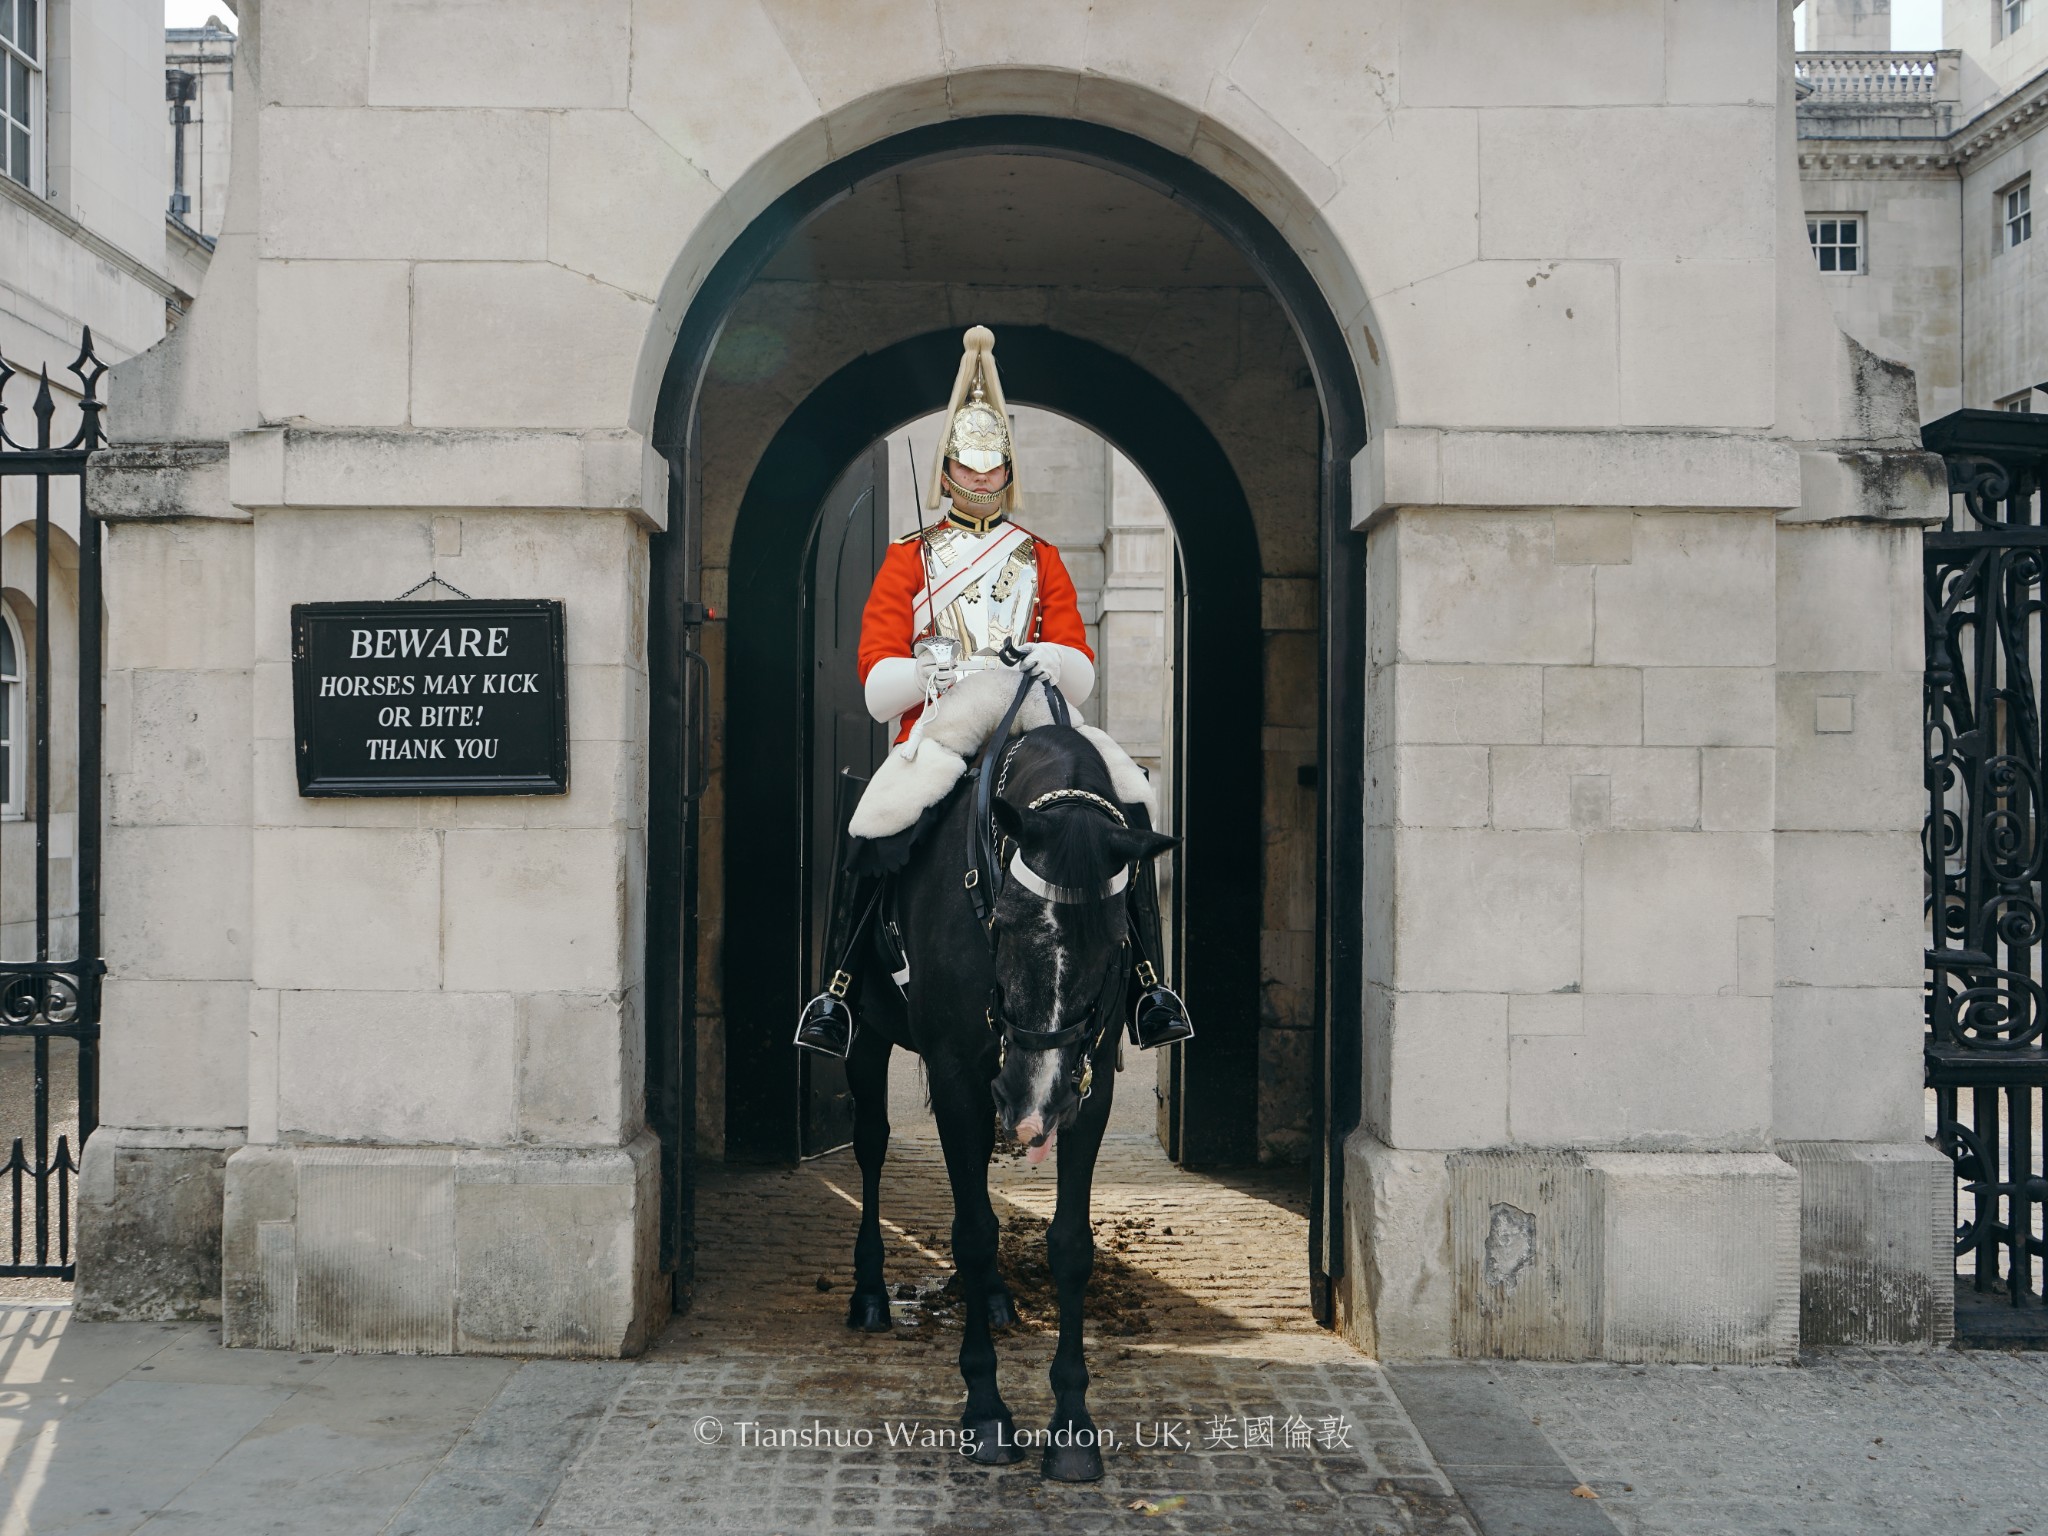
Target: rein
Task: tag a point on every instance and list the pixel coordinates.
(984, 870)
(987, 874)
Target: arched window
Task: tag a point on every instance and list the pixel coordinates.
(15, 803)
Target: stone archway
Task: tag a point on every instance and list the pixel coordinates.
(1337, 657)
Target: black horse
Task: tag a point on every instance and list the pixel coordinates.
(1016, 1021)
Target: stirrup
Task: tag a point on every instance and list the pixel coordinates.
(826, 1024)
(1160, 1018)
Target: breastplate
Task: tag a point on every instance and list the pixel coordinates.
(999, 604)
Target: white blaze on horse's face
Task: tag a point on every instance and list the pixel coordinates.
(1037, 974)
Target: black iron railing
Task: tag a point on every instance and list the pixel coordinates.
(48, 997)
(1985, 843)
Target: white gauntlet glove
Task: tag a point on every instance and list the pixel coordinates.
(935, 677)
(893, 688)
(1066, 668)
(1042, 661)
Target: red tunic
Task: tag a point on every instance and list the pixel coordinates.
(885, 624)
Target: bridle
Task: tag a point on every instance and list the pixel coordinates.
(987, 874)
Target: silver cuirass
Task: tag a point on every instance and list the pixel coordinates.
(987, 585)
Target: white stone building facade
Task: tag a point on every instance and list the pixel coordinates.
(1924, 163)
(82, 246)
(1570, 669)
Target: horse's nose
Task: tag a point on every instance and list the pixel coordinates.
(1030, 1128)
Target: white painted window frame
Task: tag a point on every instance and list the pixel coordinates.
(2020, 404)
(2015, 213)
(2012, 15)
(38, 102)
(1861, 243)
(14, 706)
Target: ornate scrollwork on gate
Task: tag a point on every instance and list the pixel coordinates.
(30, 998)
(1984, 840)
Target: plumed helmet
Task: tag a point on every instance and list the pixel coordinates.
(977, 418)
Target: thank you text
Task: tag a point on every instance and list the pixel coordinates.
(430, 698)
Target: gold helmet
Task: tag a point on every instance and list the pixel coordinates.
(977, 423)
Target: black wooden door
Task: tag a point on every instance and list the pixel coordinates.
(853, 533)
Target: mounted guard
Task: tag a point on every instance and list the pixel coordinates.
(957, 611)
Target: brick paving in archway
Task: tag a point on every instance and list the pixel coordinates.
(1213, 1262)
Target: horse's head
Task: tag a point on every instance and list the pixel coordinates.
(1062, 952)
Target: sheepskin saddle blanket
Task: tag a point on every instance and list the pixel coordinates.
(954, 730)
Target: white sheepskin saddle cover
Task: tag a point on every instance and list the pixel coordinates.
(954, 730)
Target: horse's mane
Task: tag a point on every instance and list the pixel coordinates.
(1077, 838)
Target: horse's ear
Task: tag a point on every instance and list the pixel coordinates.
(1009, 820)
(1139, 844)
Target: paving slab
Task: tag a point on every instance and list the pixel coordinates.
(124, 1454)
(1848, 1443)
(1503, 1466)
(145, 1427)
(42, 1354)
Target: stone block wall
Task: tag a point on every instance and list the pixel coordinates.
(1570, 801)
(179, 918)
(381, 1035)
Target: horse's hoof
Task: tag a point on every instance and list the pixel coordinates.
(991, 1442)
(868, 1312)
(1002, 1311)
(1073, 1463)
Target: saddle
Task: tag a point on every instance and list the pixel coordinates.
(908, 796)
(904, 789)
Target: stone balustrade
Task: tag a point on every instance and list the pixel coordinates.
(1859, 95)
(1885, 79)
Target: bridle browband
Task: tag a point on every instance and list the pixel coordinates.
(1069, 895)
(1064, 895)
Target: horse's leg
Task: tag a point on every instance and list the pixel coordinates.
(1002, 1310)
(967, 1130)
(1000, 1306)
(867, 1074)
(1071, 1452)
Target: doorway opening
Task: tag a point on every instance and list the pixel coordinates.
(1137, 295)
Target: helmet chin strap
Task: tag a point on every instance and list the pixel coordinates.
(990, 500)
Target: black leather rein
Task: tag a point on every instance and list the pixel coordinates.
(986, 877)
(984, 869)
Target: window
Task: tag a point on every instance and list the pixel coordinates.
(21, 53)
(12, 800)
(1836, 241)
(2023, 402)
(2017, 203)
(2012, 15)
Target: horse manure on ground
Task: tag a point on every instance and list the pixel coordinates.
(1117, 1290)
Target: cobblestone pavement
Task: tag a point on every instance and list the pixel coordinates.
(1850, 1443)
(1200, 1336)
(693, 1446)
(1212, 1261)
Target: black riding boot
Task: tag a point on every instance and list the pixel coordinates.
(1158, 1017)
(826, 1023)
